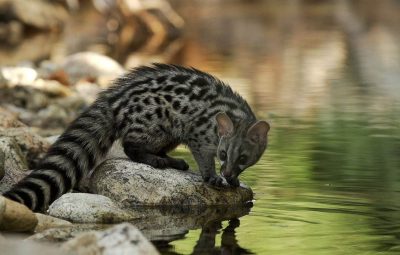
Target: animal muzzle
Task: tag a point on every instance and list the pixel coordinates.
(227, 174)
(230, 178)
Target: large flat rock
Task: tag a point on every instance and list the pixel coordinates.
(132, 184)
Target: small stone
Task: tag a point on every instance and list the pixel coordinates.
(91, 66)
(133, 184)
(18, 75)
(8, 119)
(52, 88)
(16, 217)
(32, 145)
(26, 97)
(88, 208)
(46, 222)
(121, 239)
(14, 164)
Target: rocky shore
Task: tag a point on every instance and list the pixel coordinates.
(125, 205)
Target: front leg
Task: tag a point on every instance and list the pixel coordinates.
(206, 164)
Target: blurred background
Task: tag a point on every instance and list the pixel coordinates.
(325, 74)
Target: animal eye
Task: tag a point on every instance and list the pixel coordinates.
(222, 155)
(242, 160)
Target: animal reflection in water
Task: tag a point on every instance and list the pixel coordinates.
(229, 244)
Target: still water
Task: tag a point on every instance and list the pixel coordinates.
(326, 75)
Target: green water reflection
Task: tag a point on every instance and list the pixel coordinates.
(326, 75)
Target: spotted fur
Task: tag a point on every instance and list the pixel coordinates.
(151, 109)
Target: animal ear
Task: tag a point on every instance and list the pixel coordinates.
(225, 125)
(258, 132)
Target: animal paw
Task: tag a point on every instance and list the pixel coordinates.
(215, 180)
(234, 182)
(179, 164)
(158, 162)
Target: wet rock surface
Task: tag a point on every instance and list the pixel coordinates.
(134, 184)
(120, 239)
(156, 223)
(16, 217)
(48, 222)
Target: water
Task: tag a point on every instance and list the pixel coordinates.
(325, 74)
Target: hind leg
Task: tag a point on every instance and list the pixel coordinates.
(176, 163)
(152, 151)
(139, 153)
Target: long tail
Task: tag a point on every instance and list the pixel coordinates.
(69, 159)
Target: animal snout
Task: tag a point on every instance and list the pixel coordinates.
(227, 174)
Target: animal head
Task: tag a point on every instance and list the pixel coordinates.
(240, 145)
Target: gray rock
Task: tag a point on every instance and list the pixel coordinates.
(9, 120)
(52, 88)
(90, 65)
(32, 146)
(88, 208)
(120, 239)
(134, 184)
(47, 222)
(55, 113)
(16, 217)
(13, 165)
(26, 97)
(18, 75)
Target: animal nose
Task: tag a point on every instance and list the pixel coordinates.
(227, 174)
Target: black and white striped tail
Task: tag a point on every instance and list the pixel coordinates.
(68, 160)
